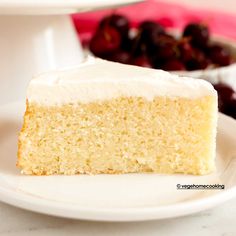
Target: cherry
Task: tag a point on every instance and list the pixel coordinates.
(165, 47)
(185, 50)
(153, 47)
(150, 26)
(198, 34)
(225, 91)
(149, 31)
(163, 39)
(127, 44)
(120, 56)
(219, 55)
(231, 108)
(119, 22)
(105, 41)
(167, 52)
(137, 48)
(226, 99)
(157, 63)
(173, 65)
(141, 61)
(198, 61)
(225, 95)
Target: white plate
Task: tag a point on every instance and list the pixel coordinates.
(57, 6)
(131, 197)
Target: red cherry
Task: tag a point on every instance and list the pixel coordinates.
(120, 56)
(198, 33)
(225, 91)
(185, 50)
(198, 61)
(164, 48)
(149, 26)
(126, 44)
(231, 108)
(141, 61)
(149, 32)
(173, 65)
(105, 41)
(137, 48)
(119, 22)
(219, 55)
(225, 95)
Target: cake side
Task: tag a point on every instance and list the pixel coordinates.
(120, 135)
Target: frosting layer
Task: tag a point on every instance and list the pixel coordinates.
(97, 79)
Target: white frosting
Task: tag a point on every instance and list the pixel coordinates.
(97, 79)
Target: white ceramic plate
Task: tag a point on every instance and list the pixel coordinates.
(131, 197)
(57, 6)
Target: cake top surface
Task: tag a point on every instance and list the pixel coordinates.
(96, 79)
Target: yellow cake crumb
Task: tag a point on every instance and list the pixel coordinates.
(120, 135)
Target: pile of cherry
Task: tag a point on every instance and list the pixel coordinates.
(151, 46)
(226, 99)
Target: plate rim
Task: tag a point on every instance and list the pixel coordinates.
(68, 210)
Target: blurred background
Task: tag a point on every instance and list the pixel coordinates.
(227, 6)
(196, 38)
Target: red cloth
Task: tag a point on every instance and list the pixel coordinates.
(170, 15)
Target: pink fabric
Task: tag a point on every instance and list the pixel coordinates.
(170, 15)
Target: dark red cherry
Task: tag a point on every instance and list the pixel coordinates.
(225, 95)
(120, 56)
(119, 22)
(141, 61)
(157, 63)
(185, 50)
(231, 108)
(198, 61)
(219, 55)
(126, 44)
(105, 41)
(165, 48)
(225, 91)
(226, 99)
(149, 31)
(150, 26)
(173, 65)
(137, 47)
(198, 33)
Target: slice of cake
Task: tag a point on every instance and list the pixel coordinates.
(106, 117)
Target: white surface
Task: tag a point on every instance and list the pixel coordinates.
(17, 7)
(219, 221)
(116, 197)
(91, 81)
